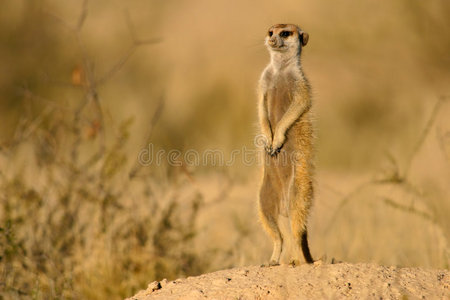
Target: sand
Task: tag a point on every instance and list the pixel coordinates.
(317, 281)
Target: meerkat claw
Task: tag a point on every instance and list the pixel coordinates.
(275, 152)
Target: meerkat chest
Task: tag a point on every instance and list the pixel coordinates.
(279, 96)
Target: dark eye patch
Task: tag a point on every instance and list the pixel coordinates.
(285, 34)
(270, 33)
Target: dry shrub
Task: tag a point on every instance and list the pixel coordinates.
(79, 218)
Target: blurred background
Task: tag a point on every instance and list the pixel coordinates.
(87, 86)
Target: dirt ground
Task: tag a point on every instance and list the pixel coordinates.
(318, 281)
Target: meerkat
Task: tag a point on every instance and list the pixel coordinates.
(286, 125)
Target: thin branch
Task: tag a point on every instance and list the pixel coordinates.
(35, 124)
(130, 25)
(83, 15)
(117, 66)
(396, 179)
(156, 116)
(101, 121)
(76, 129)
(409, 209)
(91, 82)
(49, 102)
(332, 189)
(132, 30)
(425, 133)
(441, 138)
(25, 128)
(99, 154)
(80, 21)
(123, 60)
(60, 20)
(136, 43)
(76, 32)
(344, 200)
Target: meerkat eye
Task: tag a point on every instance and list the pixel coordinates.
(270, 33)
(285, 34)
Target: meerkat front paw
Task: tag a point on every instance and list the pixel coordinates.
(274, 152)
(268, 146)
(277, 144)
(264, 140)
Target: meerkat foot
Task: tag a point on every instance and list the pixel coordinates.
(294, 263)
(318, 262)
(271, 263)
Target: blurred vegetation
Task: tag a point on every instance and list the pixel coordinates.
(87, 85)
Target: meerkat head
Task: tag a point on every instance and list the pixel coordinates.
(286, 38)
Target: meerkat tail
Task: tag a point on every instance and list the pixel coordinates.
(305, 248)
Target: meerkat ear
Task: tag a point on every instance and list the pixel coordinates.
(304, 38)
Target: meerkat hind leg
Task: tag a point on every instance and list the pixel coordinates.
(302, 242)
(269, 219)
(272, 228)
(276, 253)
(299, 212)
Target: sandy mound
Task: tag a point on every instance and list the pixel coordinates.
(318, 281)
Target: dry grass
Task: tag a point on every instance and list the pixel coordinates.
(88, 85)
